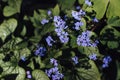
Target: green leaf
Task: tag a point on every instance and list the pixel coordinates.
(25, 52)
(66, 4)
(89, 50)
(113, 44)
(21, 75)
(10, 45)
(39, 75)
(100, 7)
(12, 8)
(89, 74)
(73, 43)
(7, 27)
(56, 10)
(58, 54)
(89, 9)
(113, 8)
(81, 1)
(23, 31)
(109, 36)
(47, 29)
(31, 65)
(8, 11)
(118, 70)
(37, 17)
(84, 24)
(39, 61)
(114, 21)
(11, 68)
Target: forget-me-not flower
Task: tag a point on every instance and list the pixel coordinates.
(44, 21)
(75, 59)
(106, 61)
(49, 40)
(84, 40)
(88, 3)
(93, 56)
(78, 25)
(60, 27)
(53, 61)
(40, 51)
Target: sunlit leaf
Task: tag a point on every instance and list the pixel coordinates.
(23, 31)
(10, 68)
(56, 10)
(114, 21)
(7, 27)
(89, 74)
(113, 8)
(13, 8)
(39, 75)
(100, 7)
(81, 1)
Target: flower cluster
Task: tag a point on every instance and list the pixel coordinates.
(106, 61)
(40, 51)
(54, 73)
(60, 29)
(84, 40)
(78, 15)
(49, 40)
(75, 59)
(93, 56)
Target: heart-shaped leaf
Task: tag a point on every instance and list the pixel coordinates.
(39, 75)
(7, 27)
(12, 8)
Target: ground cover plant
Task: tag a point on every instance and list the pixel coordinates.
(59, 40)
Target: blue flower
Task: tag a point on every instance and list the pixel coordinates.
(54, 73)
(28, 75)
(64, 37)
(75, 59)
(49, 12)
(59, 23)
(23, 58)
(49, 40)
(78, 7)
(81, 13)
(44, 21)
(78, 25)
(106, 61)
(60, 27)
(40, 51)
(88, 3)
(54, 62)
(95, 20)
(76, 15)
(93, 56)
(84, 40)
